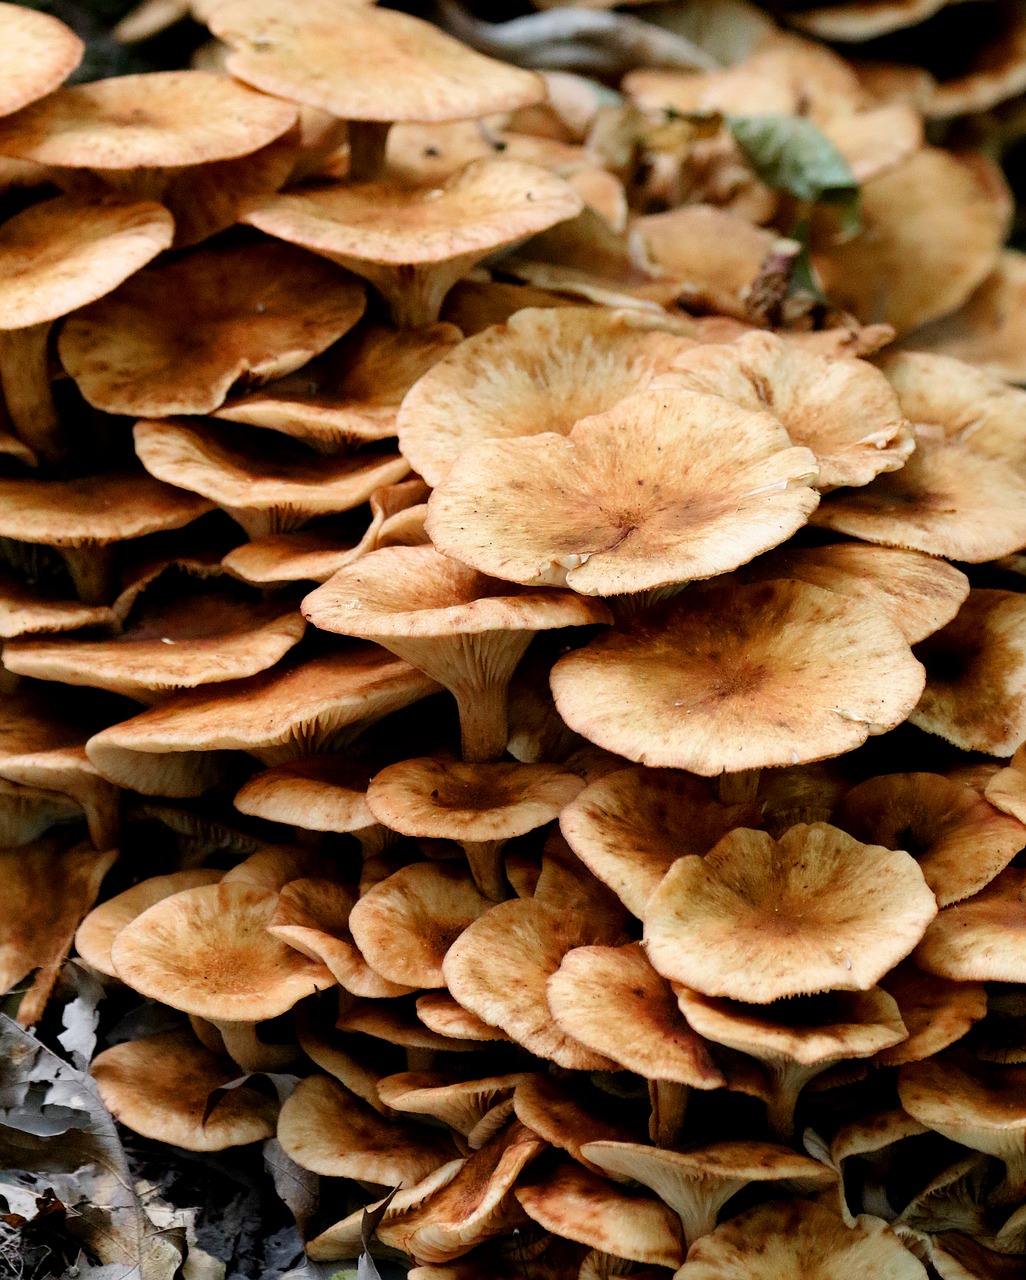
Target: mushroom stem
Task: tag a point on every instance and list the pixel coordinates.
(484, 727)
(414, 293)
(487, 868)
(367, 142)
(92, 572)
(788, 1079)
(375, 839)
(1013, 1189)
(669, 1101)
(739, 788)
(244, 1046)
(25, 375)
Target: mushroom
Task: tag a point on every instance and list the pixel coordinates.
(980, 939)
(461, 628)
(440, 1013)
(1006, 789)
(459, 1104)
(936, 1011)
(39, 53)
(565, 1119)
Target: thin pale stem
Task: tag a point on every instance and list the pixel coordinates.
(484, 725)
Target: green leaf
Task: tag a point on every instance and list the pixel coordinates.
(788, 153)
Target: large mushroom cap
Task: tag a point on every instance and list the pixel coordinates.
(735, 678)
(664, 487)
(38, 54)
(362, 63)
(757, 919)
(159, 119)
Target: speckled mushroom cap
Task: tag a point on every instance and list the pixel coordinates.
(156, 120)
(320, 793)
(725, 924)
(738, 677)
(39, 53)
(982, 938)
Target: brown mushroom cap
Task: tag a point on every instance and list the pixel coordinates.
(757, 919)
(247, 311)
(156, 120)
(981, 939)
(321, 793)
(664, 487)
(936, 1011)
(460, 1104)
(740, 677)
(39, 53)
(1006, 790)
(558, 1115)
(24, 610)
(441, 1014)
(858, 20)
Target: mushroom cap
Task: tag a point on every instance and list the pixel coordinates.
(979, 1104)
(93, 510)
(156, 120)
(919, 593)
(558, 1115)
(320, 793)
(858, 20)
(576, 1204)
(664, 487)
(289, 711)
(976, 675)
(844, 411)
(631, 825)
(328, 1130)
(936, 1011)
(949, 500)
(25, 611)
(396, 1022)
(555, 365)
(66, 252)
(39, 53)
(97, 932)
(613, 1001)
(268, 485)
(996, 71)
(741, 677)
(983, 939)
(1006, 789)
(363, 63)
(799, 1238)
(489, 204)
(960, 841)
(527, 938)
(406, 923)
(159, 1086)
(460, 1104)
(246, 311)
(207, 951)
(441, 1014)
(757, 919)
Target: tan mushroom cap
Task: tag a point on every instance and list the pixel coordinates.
(983, 939)
(320, 793)
(949, 500)
(243, 312)
(936, 1011)
(960, 841)
(864, 19)
(844, 411)
(274, 866)
(932, 228)
(25, 611)
(740, 677)
(406, 923)
(159, 1086)
(976, 675)
(630, 826)
(665, 487)
(557, 1113)
(97, 932)
(758, 919)
(207, 951)
(352, 394)
(799, 1238)
(366, 63)
(414, 243)
(39, 53)
(441, 1014)
(460, 1104)
(556, 365)
(527, 938)
(291, 711)
(576, 1204)
(267, 485)
(613, 1001)
(919, 593)
(322, 1048)
(396, 1022)
(876, 139)
(696, 1184)
(328, 1130)
(156, 120)
(1006, 790)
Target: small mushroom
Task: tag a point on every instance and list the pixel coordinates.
(980, 939)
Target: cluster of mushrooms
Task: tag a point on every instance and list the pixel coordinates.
(483, 634)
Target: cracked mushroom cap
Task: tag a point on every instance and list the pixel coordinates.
(919, 593)
(246, 312)
(67, 252)
(292, 710)
(407, 922)
(267, 484)
(159, 1086)
(1006, 789)
(665, 487)
(460, 1104)
(982, 939)
(960, 841)
(414, 243)
(320, 793)
(799, 1238)
(757, 919)
(156, 120)
(208, 951)
(576, 1204)
(936, 1011)
(975, 693)
(741, 677)
(555, 365)
(366, 63)
(630, 826)
(39, 53)
(844, 411)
